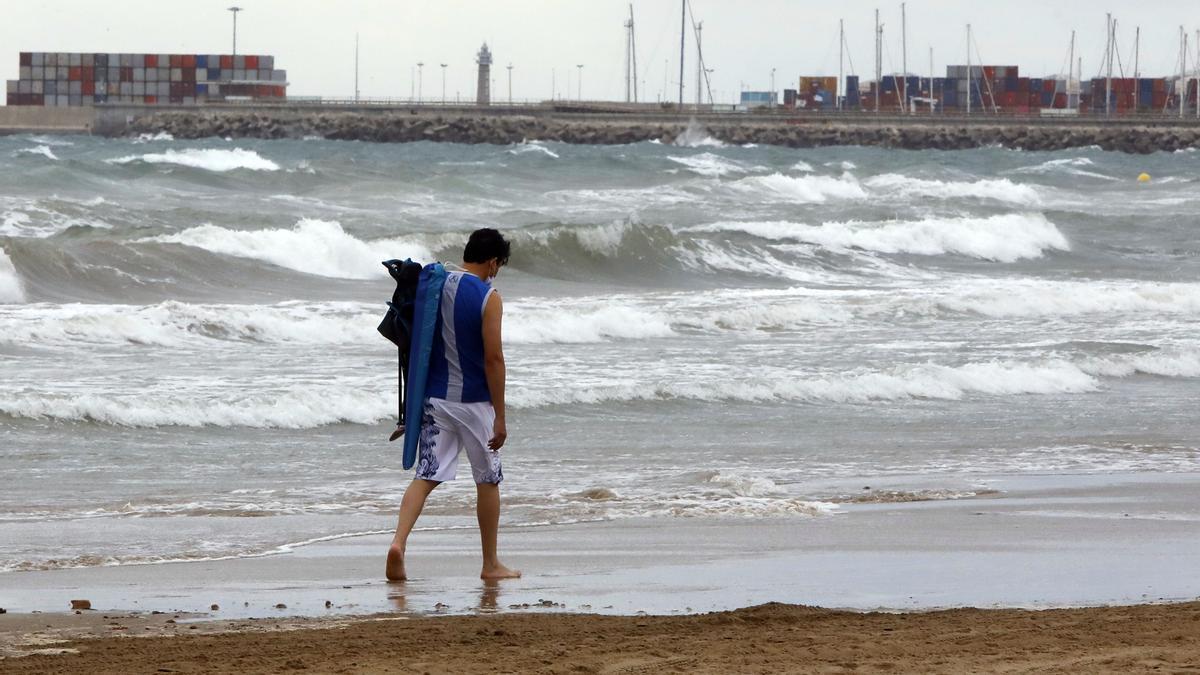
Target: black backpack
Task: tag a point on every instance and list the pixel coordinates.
(397, 323)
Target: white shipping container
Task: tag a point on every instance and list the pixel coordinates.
(25, 72)
(64, 73)
(50, 87)
(114, 74)
(11, 87)
(214, 89)
(88, 60)
(189, 100)
(279, 76)
(164, 89)
(38, 59)
(202, 75)
(239, 75)
(75, 59)
(139, 88)
(39, 73)
(139, 74)
(177, 74)
(267, 62)
(88, 102)
(126, 89)
(76, 88)
(25, 87)
(239, 62)
(62, 100)
(127, 60)
(39, 87)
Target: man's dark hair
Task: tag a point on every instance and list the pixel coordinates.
(485, 244)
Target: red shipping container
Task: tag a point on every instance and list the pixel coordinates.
(1048, 86)
(12, 99)
(1060, 100)
(89, 74)
(150, 60)
(189, 61)
(89, 88)
(151, 100)
(26, 59)
(74, 73)
(188, 88)
(251, 63)
(226, 62)
(176, 89)
(37, 99)
(280, 91)
(1023, 85)
(127, 74)
(189, 74)
(176, 61)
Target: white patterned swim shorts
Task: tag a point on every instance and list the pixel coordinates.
(447, 428)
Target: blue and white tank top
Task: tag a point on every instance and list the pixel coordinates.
(456, 370)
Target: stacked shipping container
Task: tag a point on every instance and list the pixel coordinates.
(77, 79)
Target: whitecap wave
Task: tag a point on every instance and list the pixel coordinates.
(1013, 299)
(153, 138)
(1068, 165)
(300, 407)
(10, 281)
(1003, 238)
(209, 159)
(534, 147)
(540, 325)
(801, 189)
(708, 164)
(313, 246)
(1002, 189)
(41, 151)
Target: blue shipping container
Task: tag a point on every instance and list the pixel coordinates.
(202, 89)
(201, 60)
(214, 74)
(889, 83)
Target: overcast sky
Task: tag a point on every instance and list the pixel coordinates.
(544, 40)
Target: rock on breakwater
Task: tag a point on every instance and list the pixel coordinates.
(404, 127)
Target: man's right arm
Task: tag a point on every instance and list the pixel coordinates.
(493, 365)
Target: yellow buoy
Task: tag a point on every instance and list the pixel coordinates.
(1144, 178)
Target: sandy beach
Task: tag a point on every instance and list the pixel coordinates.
(764, 639)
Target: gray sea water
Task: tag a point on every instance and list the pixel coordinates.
(189, 367)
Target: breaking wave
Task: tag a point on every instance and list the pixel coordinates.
(802, 189)
(1002, 189)
(312, 246)
(10, 282)
(1003, 238)
(40, 150)
(209, 159)
(532, 147)
(708, 164)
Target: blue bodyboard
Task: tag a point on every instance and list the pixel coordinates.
(425, 318)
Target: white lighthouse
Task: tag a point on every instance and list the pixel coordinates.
(484, 90)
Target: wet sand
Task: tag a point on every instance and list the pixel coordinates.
(765, 639)
(632, 596)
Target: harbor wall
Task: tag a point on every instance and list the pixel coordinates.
(472, 126)
(29, 120)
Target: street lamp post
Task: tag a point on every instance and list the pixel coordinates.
(580, 67)
(771, 100)
(443, 84)
(235, 11)
(420, 79)
(510, 84)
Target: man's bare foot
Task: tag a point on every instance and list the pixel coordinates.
(499, 571)
(395, 564)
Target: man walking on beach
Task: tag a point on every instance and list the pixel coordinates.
(464, 409)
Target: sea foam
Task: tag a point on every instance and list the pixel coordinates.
(801, 189)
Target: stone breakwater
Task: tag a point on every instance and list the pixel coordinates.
(506, 129)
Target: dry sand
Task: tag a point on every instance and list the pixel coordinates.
(766, 639)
